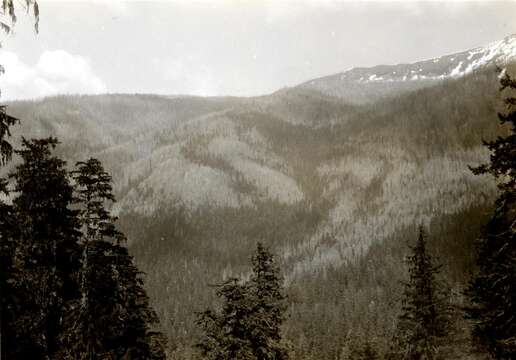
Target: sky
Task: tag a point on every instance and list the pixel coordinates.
(230, 47)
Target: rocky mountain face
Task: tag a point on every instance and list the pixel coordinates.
(332, 173)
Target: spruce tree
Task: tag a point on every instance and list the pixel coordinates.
(113, 317)
(47, 252)
(130, 322)
(249, 323)
(423, 324)
(68, 296)
(93, 189)
(269, 306)
(227, 334)
(492, 291)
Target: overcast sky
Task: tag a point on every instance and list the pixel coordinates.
(231, 47)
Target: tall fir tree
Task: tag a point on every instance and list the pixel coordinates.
(46, 254)
(492, 291)
(113, 317)
(227, 333)
(424, 323)
(69, 296)
(248, 327)
(269, 306)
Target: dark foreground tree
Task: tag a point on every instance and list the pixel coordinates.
(227, 333)
(492, 291)
(70, 289)
(46, 253)
(113, 317)
(249, 323)
(424, 323)
(119, 320)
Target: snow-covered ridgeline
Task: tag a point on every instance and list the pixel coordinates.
(450, 66)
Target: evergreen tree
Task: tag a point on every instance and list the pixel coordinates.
(227, 334)
(249, 323)
(93, 190)
(269, 306)
(113, 317)
(424, 322)
(46, 254)
(67, 296)
(492, 290)
(129, 321)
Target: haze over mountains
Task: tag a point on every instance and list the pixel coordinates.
(326, 173)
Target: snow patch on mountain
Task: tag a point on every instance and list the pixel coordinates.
(367, 85)
(456, 65)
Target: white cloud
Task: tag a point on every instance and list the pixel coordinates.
(56, 72)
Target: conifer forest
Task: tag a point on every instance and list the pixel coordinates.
(365, 215)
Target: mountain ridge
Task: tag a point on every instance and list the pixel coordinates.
(354, 85)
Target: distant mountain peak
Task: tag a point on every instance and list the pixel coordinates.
(362, 85)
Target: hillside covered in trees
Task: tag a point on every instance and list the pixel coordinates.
(335, 187)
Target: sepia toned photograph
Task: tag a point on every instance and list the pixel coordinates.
(257, 180)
